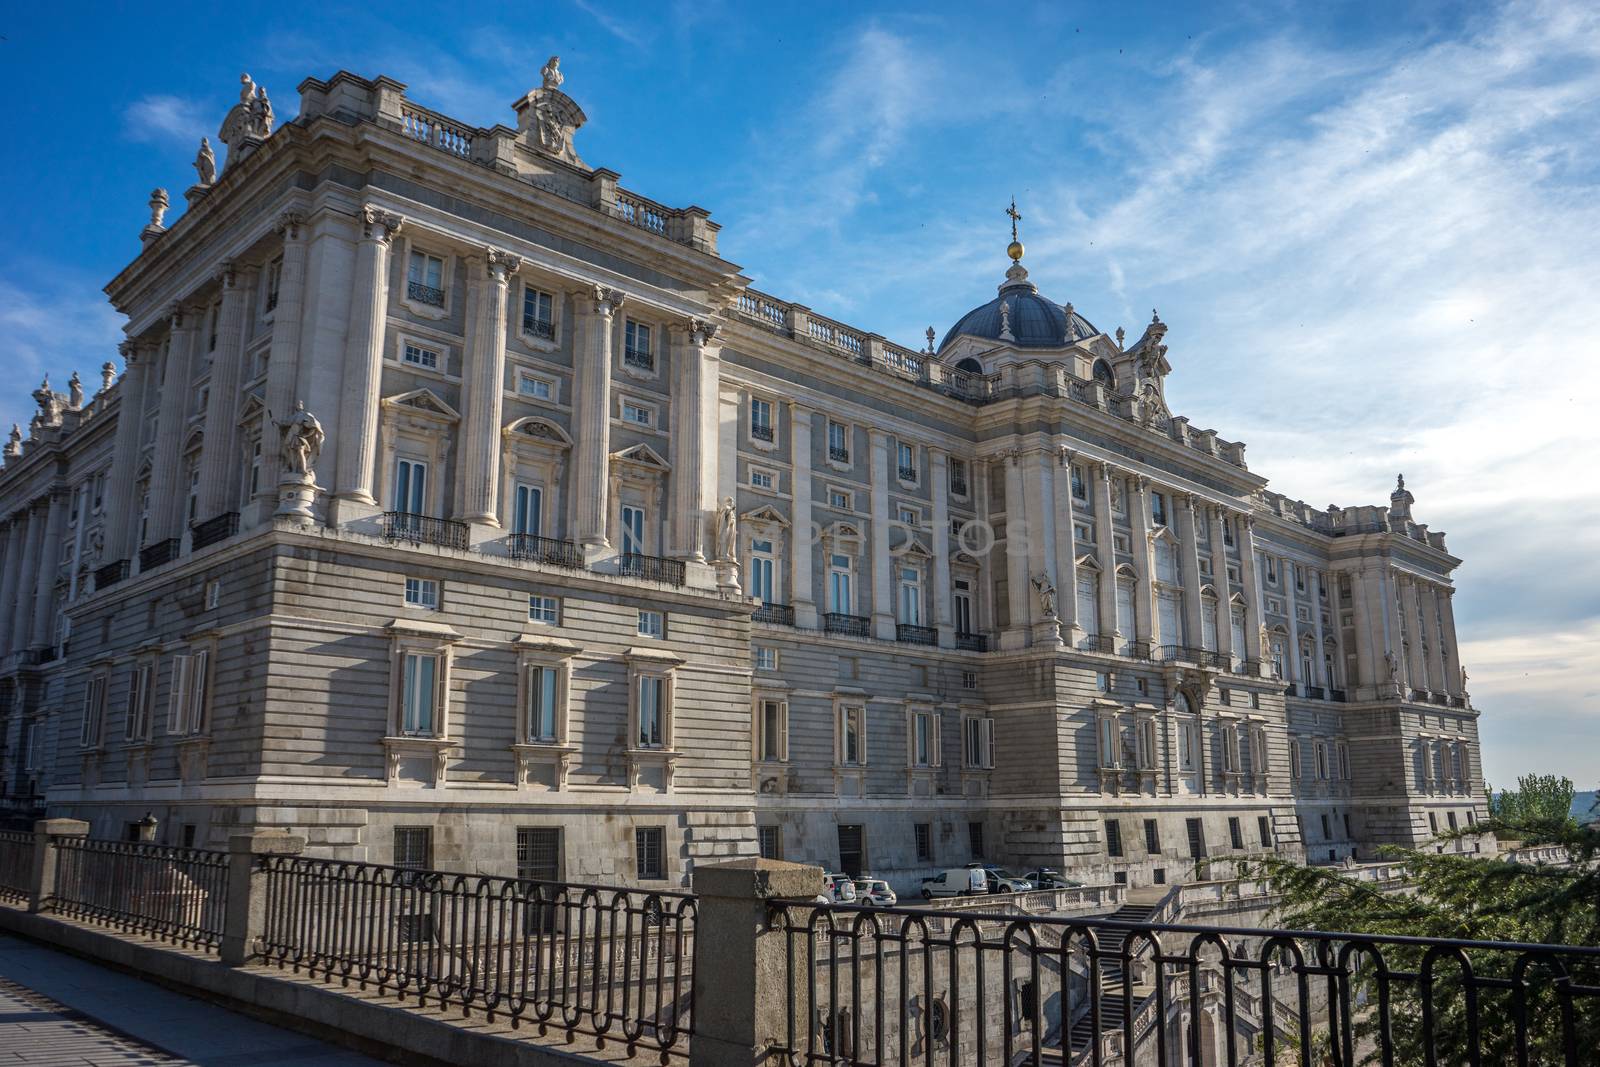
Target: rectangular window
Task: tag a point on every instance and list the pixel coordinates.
(637, 414)
(418, 356)
(958, 476)
(840, 498)
(535, 386)
(979, 743)
(852, 851)
(425, 279)
(1158, 509)
(1152, 837)
(1327, 835)
(422, 593)
(1264, 828)
(413, 847)
(539, 853)
(274, 280)
(770, 840)
(1102, 681)
(527, 510)
(906, 461)
(909, 516)
(840, 601)
(761, 419)
(924, 739)
(763, 569)
(1113, 838)
(923, 833)
(1450, 817)
(419, 676)
(543, 696)
(651, 624)
(636, 350)
(911, 596)
(761, 478)
(1235, 833)
(969, 679)
(774, 728)
(1197, 839)
(649, 853)
(633, 543)
(975, 839)
(852, 736)
(963, 607)
(137, 726)
(766, 658)
(1080, 488)
(545, 609)
(838, 442)
(538, 318)
(410, 486)
(94, 712)
(652, 710)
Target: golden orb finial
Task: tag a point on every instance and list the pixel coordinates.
(1014, 249)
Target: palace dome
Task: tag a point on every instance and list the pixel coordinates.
(1036, 322)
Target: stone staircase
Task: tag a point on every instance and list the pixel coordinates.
(1114, 1006)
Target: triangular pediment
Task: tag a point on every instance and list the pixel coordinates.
(252, 409)
(1088, 562)
(424, 402)
(765, 515)
(641, 456)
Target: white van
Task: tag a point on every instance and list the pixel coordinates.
(954, 882)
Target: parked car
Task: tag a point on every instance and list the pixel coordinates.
(837, 889)
(954, 882)
(1050, 878)
(875, 891)
(1000, 880)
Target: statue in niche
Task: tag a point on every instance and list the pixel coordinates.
(75, 391)
(1047, 595)
(727, 531)
(205, 163)
(300, 444)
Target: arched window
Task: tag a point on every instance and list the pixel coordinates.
(970, 365)
(1104, 375)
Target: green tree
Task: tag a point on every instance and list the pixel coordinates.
(1469, 897)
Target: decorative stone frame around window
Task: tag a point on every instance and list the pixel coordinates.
(850, 776)
(651, 768)
(422, 300)
(543, 763)
(413, 759)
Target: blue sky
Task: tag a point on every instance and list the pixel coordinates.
(1370, 228)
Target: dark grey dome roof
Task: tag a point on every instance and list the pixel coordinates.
(1035, 321)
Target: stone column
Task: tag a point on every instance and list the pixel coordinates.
(697, 373)
(1319, 671)
(16, 527)
(125, 452)
(939, 542)
(1018, 584)
(883, 616)
(1137, 499)
(22, 610)
(1369, 634)
(1339, 678)
(1041, 514)
(1286, 567)
(483, 389)
(1220, 582)
(42, 879)
(591, 452)
(283, 359)
(220, 452)
(44, 598)
(1189, 560)
(802, 593)
(245, 920)
(166, 490)
(1106, 552)
(363, 367)
(1438, 677)
(1389, 590)
(1065, 548)
(743, 964)
(1252, 588)
(1453, 679)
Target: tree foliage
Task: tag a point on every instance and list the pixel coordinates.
(1469, 897)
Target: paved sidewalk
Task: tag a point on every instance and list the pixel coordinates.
(57, 1010)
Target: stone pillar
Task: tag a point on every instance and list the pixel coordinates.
(1457, 684)
(245, 920)
(742, 961)
(1189, 560)
(591, 453)
(47, 833)
(166, 489)
(220, 454)
(1389, 591)
(1286, 567)
(1065, 548)
(1137, 499)
(802, 593)
(1369, 635)
(1410, 609)
(1340, 678)
(16, 528)
(483, 389)
(939, 542)
(44, 597)
(1428, 597)
(883, 616)
(1220, 582)
(363, 367)
(1106, 552)
(1319, 671)
(1018, 586)
(283, 359)
(22, 610)
(1252, 589)
(125, 452)
(697, 374)
(1041, 514)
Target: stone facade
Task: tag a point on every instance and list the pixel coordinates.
(449, 487)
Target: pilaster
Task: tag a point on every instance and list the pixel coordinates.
(283, 357)
(1137, 499)
(483, 390)
(16, 538)
(363, 370)
(220, 457)
(1017, 577)
(22, 611)
(125, 451)
(166, 503)
(592, 418)
(1319, 669)
(697, 380)
(1189, 542)
(801, 588)
(1252, 587)
(1286, 569)
(883, 618)
(1221, 583)
(1065, 547)
(44, 598)
(939, 542)
(1105, 537)
(1438, 679)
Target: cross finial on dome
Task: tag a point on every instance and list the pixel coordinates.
(1014, 250)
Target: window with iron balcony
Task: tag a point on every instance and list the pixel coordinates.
(425, 279)
(636, 350)
(538, 314)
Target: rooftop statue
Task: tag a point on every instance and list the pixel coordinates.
(727, 531)
(75, 391)
(552, 73)
(248, 120)
(549, 116)
(205, 163)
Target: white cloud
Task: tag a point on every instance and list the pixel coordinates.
(56, 326)
(168, 118)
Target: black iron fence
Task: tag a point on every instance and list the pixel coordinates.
(774, 614)
(415, 529)
(109, 575)
(652, 568)
(16, 864)
(556, 553)
(899, 986)
(214, 530)
(600, 960)
(834, 622)
(154, 555)
(177, 894)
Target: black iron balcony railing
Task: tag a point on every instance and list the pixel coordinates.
(642, 358)
(908, 634)
(762, 432)
(541, 328)
(1102, 643)
(425, 294)
(1182, 654)
(1458, 702)
(205, 534)
(880, 985)
(972, 642)
(1316, 692)
(850, 625)
(154, 555)
(652, 568)
(1337, 695)
(110, 574)
(908, 474)
(838, 455)
(547, 550)
(958, 487)
(776, 614)
(1250, 668)
(414, 529)
(40, 656)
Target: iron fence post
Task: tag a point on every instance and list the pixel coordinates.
(245, 920)
(42, 882)
(741, 980)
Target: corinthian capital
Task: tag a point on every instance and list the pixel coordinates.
(607, 300)
(289, 224)
(225, 274)
(701, 332)
(380, 225)
(501, 264)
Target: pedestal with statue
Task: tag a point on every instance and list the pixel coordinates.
(727, 558)
(300, 440)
